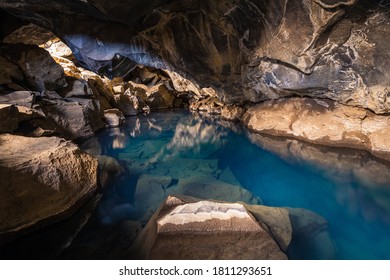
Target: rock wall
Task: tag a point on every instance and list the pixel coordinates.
(247, 50)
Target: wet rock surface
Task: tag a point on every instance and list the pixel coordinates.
(322, 122)
(182, 230)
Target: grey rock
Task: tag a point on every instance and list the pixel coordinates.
(21, 98)
(77, 117)
(114, 117)
(40, 70)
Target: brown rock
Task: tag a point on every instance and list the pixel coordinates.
(159, 97)
(203, 230)
(9, 118)
(42, 180)
(130, 104)
(114, 117)
(109, 169)
(232, 113)
(322, 122)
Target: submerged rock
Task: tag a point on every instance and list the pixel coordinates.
(42, 180)
(203, 230)
(207, 187)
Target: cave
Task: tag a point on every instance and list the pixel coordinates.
(194, 129)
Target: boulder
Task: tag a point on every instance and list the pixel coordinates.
(77, 117)
(42, 180)
(322, 122)
(130, 104)
(159, 97)
(9, 118)
(300, 233)
(76, 88)
(21, 98)
(203, 230)
(39, 68)
(109, 169)
(114, 117)
(10, 74)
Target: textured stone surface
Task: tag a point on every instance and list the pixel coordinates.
(246, 50)
(77, 117)
(40, 70)
(113, 117)
(21, 98)
(9, 118)
(323, 122)
(185, 230)
(42, 181)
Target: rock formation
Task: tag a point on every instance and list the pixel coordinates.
(187, 230)
(42, 180)
(246, 50)
(323, 122)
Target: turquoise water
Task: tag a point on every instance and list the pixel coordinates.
(341, 198)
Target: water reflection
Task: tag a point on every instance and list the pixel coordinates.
(362, 182)
(177, 153)
(119, 138)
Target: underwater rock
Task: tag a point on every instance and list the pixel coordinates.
(323, 122)
(105, 242)
(182, 229)
(207, 187)
(150, 192)
(42, 180)
(109, 168)
(370, 175)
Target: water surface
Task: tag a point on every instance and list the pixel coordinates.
(345, 194)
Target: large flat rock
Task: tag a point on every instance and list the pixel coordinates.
(42, 180)
(183, 229)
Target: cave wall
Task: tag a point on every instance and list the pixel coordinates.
(247, 50)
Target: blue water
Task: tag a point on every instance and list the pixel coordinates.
(345, 193)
